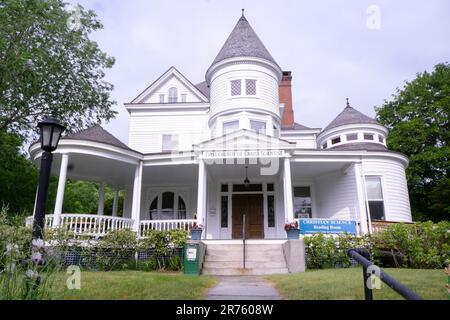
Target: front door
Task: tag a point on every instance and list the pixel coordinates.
(250, 205)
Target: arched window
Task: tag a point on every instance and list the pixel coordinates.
(173, 95)
(168, 206)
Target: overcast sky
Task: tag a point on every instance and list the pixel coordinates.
(327, 45)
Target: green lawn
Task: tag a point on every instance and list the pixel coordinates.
(134, 285)
(347, 284)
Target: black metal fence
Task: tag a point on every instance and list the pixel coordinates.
(94, 258)
(370, 270)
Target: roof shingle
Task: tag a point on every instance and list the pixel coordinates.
(97, 134)
(243, 42)
(350, 116)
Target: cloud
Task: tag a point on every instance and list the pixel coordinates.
(327, 45)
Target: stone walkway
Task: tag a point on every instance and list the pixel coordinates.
(243, 288)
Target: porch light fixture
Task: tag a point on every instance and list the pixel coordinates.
(246, 181)
(50, 134)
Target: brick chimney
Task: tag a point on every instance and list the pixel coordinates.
(287, 118)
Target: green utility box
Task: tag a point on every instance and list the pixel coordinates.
(192, 258)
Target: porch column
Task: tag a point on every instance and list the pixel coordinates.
(137, 188)
(201, 193)
(101, 199)
(115, 204)
(61, 188)
(288, 200)
(361, 198)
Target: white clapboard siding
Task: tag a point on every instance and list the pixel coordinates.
(302, 142)
(337, 196)
(395, 188)
(146, 130)
(267, 91)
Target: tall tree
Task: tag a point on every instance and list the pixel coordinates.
(18, 176)
(418, 119)
(48, 65)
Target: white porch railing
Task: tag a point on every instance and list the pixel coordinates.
(94, 225)
(47, 224)
(165, 225)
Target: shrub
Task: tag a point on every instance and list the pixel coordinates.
(116, 250)
(178, 238)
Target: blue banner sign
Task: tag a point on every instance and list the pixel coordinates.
(312, 226)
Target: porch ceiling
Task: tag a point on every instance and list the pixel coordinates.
(171, 174)
(93, 168)
(312, 170)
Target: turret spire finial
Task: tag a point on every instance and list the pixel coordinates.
(243, 10)
(348, 103)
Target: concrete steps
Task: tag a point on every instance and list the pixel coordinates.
(224, 259)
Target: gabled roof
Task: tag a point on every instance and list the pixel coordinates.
(295, 126)
(172, 71)
(243, 42)
(204, 88)
(97, 134)
(350, 116)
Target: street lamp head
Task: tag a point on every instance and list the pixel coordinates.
(50, 133)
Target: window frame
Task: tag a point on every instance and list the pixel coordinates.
(163, 149)
(171, 97)
(251, 121)
(159, 211)
(229, 122)
(382, 200)
(247, 81)
(311, 196)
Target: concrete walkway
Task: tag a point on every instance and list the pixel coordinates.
(243, 288)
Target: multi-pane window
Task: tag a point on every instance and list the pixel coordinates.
(236, 89)
(169, 142)
(161, 98)
(167, 206)
(231, 126)
(271, 211)
(352, 137)
(173, 95)
(258, 126)
(250, 87)
(375, 198)
(224, 212)
(368, 136)
(302, 202)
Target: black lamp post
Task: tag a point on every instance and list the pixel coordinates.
(50, 133)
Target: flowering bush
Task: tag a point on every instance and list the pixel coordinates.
(291, 226)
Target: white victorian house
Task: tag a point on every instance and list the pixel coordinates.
(213, 152)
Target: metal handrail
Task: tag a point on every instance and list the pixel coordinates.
(362, 256)
(244, 236)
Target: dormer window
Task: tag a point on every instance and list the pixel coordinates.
(236, 89)
(173, 95)
(250, 87)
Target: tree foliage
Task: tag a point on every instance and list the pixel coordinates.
(48, 65)
(418, 119)
(18, 176)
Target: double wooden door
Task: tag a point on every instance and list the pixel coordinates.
(250, 205)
